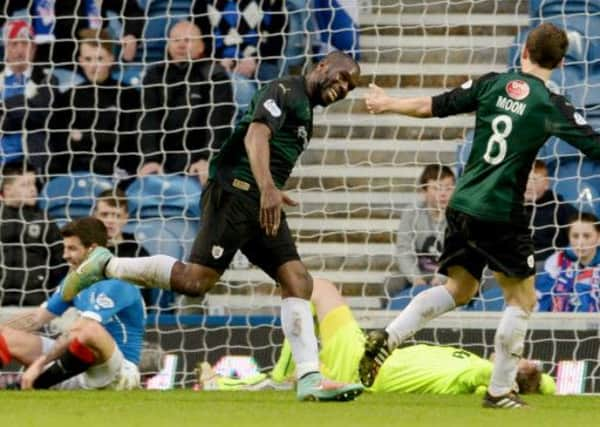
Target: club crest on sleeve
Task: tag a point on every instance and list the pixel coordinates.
(217, 251)
(579, 119)
(517, 89)
(103, 301)
(467, 84)
(272, 107)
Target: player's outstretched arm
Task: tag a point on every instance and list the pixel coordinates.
(377, 101)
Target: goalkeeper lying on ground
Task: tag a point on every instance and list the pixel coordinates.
(419, 368)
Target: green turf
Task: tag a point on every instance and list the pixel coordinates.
(189, 408)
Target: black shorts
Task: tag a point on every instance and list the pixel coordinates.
(473, 243)
(230, 221)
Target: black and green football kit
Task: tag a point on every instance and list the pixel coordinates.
(515, 115)
(231, 201)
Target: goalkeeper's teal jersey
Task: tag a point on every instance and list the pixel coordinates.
(433, 370)
(516, 114)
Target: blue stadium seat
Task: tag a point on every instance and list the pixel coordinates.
(547, 8)
(581, 194)
(129, 74)
(490, 300)
(68, 197)
(162, 14)
(156, 238)
(66, 78)
(163, 196)
(463, 150)
(400, 300)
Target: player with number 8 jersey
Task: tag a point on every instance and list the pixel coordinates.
(516, 114)
(487, 224)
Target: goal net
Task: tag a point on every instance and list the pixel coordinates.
(356, 181)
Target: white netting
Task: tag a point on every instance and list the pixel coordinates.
(354, 183)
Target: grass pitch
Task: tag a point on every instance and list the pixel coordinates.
(264, 409)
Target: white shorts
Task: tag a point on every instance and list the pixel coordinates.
(117, 373)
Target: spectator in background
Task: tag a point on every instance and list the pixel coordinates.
(112, 209)
(319, 26)
(57, 22)
(26, 94)
(248, 38)
(98, 118)
(571, 277)
(421, 231)
(550, 214)
(188, 107)
(30, 245)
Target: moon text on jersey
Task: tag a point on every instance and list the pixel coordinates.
(510, 105)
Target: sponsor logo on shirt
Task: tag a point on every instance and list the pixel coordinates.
(272, 107)
(517, 89)
(284, 89)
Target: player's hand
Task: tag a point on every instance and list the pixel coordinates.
(418, 281)
(228, 64)
(75, 135)
(438, 280)
(128, 47)
(271, 200)
(246, 67)
(376, 99)
(200, 169)
(33, 371)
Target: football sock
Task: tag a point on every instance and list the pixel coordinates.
(508, 345)
(427, 305)
(77, 359)
(284, 367)
(298, 326)
(5, 356)
(151, 272)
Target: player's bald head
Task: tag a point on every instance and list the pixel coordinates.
(342, 60)
(332, 78)
(185, 41)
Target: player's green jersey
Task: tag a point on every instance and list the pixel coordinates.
(432, 370)
(515, 115)
(284, 106)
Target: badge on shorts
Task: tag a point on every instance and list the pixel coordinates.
(217, 251)
(34, 230)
